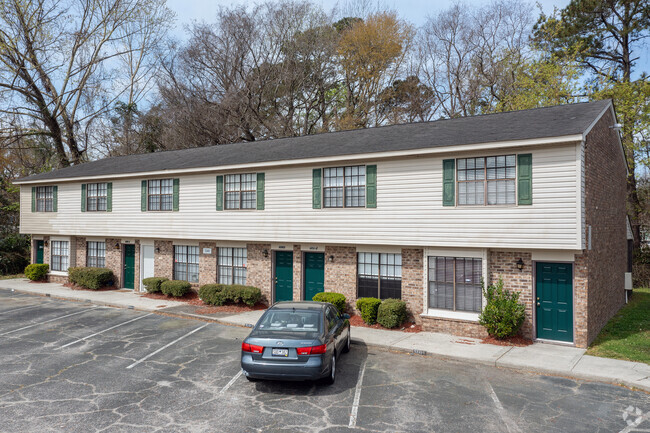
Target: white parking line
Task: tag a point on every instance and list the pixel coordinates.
(229, 384)
(101, 332)
(509, 422)
(19, 309)
(166, 346)
(357, 397)
(47, 321)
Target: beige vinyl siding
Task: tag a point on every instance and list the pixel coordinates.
(409, 210)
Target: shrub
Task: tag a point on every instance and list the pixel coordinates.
(91, 278)
(37, 271)
(337, 299)
(219, 294)
(503, 314)
(176, 288)
(368, 308)
(152, 284)
(391, 313)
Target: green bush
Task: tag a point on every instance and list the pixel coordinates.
(368, 308)
(337, 299)
(391, 313)
(503, 314)
(176, 288)
(152, 284)
(91, 278)
(37, 271)
(219, 294)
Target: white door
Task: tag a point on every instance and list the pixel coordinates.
(146, 252)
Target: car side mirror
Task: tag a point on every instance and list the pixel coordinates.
(345, 316)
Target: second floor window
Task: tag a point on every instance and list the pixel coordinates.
(232, 266)
(96, 255)
(96, 196)
(241, 191)
(60, 257)
(489, 180)
(45, 199)
(186, 263)
(160, 194)
(344, 186)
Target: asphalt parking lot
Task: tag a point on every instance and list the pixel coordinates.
(76, 367)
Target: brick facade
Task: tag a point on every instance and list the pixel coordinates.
(259, 272)
(207, 264)
(503, 265)
(82, 247)
(413, 281)
(605, 205)
(341, 272)
(114, 259)
(297, 273)
(580, 296)
(163, 259)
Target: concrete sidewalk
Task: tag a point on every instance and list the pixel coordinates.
(539, 357)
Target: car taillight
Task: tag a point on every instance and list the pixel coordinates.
(313, 350)
(245, 347)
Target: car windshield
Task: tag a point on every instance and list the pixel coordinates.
(297, 321)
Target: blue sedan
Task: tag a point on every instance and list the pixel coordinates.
(296, 341)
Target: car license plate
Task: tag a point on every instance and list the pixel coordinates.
(280, 352)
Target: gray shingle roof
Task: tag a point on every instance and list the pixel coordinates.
(515, 125)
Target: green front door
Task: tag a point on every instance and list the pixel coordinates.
(129, 267)
(283, 276)
(39, 251)
(554, 300)
(314, 274)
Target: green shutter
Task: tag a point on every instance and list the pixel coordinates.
(55, 198)
(316, 190)
(33, 199)
(83, 197)
(525, 179)
(143, 196)
(109, 197)
(219, 192)
(449, 182)
(176, 191)
(371, 186)
(260, 191)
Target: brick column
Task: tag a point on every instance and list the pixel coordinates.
(580, 300)
(413, 281)
(297, 273)
(114, 260)
(503, 265)
(207, 264)
(136, 283)
(46, 250)
(341, 272)
(163, 259)
(81, 252)
(258, 271)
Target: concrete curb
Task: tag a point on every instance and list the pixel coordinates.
(499, 362)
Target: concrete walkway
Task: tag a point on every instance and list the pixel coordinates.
(539, 357)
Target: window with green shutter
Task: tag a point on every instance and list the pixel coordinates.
(160, 195)
(316, 188)
(143, 196)
(448, 182)
(371, 186)
(109, 197)
(219, 193)
(260, 191)
(525, 179)
(44, 198)
(176, 194)
(83, 197)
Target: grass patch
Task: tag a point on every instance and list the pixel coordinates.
(11, 277)
(627, 334)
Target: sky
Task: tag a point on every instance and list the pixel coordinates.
(415, 11)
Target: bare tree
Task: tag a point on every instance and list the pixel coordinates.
(62, 66)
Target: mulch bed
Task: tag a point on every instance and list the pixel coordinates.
(192, 298)
(517, 340)
(356, 320)
(103, 289)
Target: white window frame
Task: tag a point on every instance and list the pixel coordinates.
(103, 199)
(224, 255)
(59, 271)
(96, 257)
(228, 180)
(485, 180)
(448, 314)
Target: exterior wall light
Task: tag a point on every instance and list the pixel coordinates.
(157, 250)
(330, 259)
(117, 246)
(266, 253)
(520, 264)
